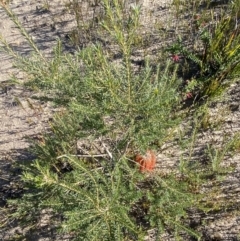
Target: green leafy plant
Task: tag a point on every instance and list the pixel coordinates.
(95, 202)
(102, 98)
(96, 89)
(169, 199)
(105, 202)
(103, 196)
(217, 155)
(215, 62)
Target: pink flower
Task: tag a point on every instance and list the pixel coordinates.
(175, 58)
(189, 95)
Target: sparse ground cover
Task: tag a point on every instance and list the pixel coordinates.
(125, 79)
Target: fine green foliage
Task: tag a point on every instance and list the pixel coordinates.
(104, 203)
(169, 199)
(101, 98)
(216, 155)
(213, 58)
(138, 104)
(94, 88)
(95, 202)
(104, 196)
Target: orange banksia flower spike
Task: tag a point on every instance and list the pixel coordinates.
(147, 162)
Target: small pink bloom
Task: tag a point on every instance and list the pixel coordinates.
(175, 58)
(189, 95)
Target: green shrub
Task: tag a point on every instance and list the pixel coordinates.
(95, 202)
(213, 58)
(105, 203)
(107, 99)
(96, 89)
